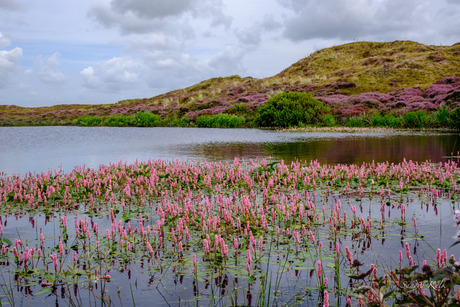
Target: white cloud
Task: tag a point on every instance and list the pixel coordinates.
(354, 19)
(163, 16)
(253, 35)
(10, 5)
(158, 9)
(116, 74)
(48, 70)
(9, 61)
(4, 42)
(229, 60)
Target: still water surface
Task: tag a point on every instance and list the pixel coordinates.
(37, 149)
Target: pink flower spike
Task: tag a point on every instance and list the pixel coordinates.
(407, 250)
(54, 258)
(194, 259)
(61, 248)
(326, 299)
(150, 247)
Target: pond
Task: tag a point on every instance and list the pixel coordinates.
(209, 229)
(37, 149)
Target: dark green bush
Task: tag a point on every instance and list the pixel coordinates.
(454, 118)
(204, 121)
(417, 119)
(88, 120)
(289, 109)
(355, 122)
(329, 120)
(220, 121)
(394, 122)
(180, 122)
(386, 121)
(147, 119)
(119, 121)
(442, 116)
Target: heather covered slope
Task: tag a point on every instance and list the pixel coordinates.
(392, 78)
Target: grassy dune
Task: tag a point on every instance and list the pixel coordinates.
(344, 73)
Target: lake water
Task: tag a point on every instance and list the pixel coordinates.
(37, 149)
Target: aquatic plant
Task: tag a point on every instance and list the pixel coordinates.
(284, 233)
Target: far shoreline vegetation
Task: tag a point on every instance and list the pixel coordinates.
(294, 111)
(399, 85)
(299, 111)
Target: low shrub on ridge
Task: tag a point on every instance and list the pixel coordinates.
(289, 109)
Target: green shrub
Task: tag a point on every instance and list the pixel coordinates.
(355, 122)
(379, 121)
(220, 121)
(179, 122)
(289, 109)
(147, 119)
(329, 120)
(394, 122)
(454, 118)
(119, 121)
(386, 121)
(204, 121)
(89, 120)
(417, 119)
(442, 116)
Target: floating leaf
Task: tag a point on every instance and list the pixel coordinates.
(43, 291)
(361, 276)
(7, 241)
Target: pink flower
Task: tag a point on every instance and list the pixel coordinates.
(61, 248)
(407, 250)
(150, 247)
(326, 299)
(457, 217)
(46, 284)
(54, 258)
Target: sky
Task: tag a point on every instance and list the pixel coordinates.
(103, 51)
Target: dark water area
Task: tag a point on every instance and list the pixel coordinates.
(38, 149)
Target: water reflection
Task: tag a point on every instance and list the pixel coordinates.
(37, 149)
(345, 149)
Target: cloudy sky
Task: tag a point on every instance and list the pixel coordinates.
(102, 51)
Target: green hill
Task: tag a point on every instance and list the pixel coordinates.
(391, 77)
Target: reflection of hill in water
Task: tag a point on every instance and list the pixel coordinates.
(339, 150)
